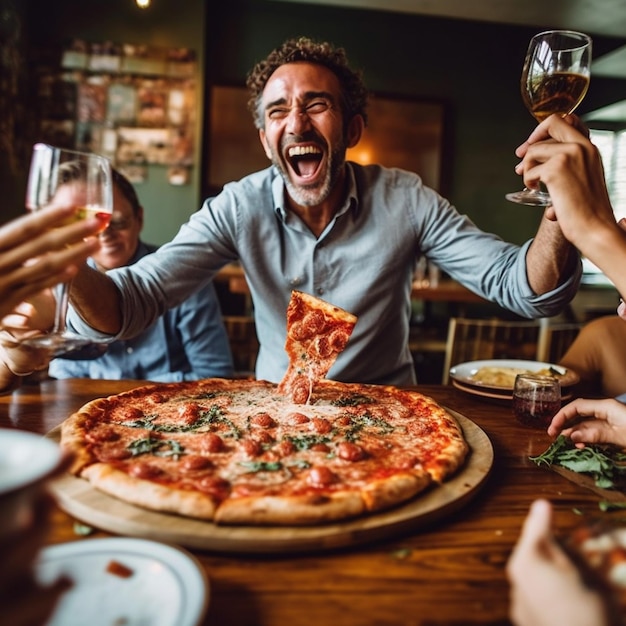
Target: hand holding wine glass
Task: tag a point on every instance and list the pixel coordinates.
(555, 79)
(60, 177)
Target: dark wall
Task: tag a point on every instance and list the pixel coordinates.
(473, 67)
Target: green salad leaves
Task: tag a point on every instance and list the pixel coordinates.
(605, 464)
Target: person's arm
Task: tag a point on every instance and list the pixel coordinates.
(546, 586)
(97, 300)
(559, 154)
(550, 259)
(603, 421)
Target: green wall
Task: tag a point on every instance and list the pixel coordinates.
(167, 24)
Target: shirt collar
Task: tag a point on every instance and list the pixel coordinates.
(351, 203)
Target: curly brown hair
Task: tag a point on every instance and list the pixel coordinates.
(354, 92)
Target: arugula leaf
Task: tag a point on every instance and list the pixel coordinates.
(604, 463)
(261, 466)
(306, 442)
(158, 447)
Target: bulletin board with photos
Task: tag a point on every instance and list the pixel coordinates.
(132, 103)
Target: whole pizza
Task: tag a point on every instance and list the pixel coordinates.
(237, 451)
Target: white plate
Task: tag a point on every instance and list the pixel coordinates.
(497, 395)
(483, 393)
(464, 372)
(167, 586)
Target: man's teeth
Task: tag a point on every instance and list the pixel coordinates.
(302, 150)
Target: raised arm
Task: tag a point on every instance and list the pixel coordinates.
(551, 258)
(559, 154)
(97, 300)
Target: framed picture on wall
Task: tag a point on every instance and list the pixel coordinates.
(234, 146)
(401, 132)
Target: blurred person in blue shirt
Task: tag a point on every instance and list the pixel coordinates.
(187, 342)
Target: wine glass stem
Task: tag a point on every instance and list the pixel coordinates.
(62, 296)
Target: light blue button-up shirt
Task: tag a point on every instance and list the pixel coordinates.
(187, 342)
(363, 262)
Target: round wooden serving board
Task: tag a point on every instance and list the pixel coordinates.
(78, 498)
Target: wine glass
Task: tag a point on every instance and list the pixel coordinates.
(555, 79)
(60, 176)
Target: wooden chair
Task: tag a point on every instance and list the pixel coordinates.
(555, 339)
(243, 341)
(480, 339)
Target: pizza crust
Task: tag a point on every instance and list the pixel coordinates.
(291, 510)
(73, 434)
(148, 494)
(384, 494)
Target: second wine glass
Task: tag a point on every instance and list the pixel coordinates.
(66, 177)
(555, 79)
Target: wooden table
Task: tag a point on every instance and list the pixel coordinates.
(449, 573)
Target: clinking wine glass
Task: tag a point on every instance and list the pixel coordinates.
(67, 177)
(555, 79)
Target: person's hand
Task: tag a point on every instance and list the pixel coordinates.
(559, 154)
(591, 421)
(28, 319)
(20, 359)
(32, 316)
(39, 250)
(546, 586)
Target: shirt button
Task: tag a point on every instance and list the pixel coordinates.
(129, 350)
(320, 290)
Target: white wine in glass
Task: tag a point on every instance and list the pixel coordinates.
(66, 177)
(555, 79)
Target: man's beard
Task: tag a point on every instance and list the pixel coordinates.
(317, 193)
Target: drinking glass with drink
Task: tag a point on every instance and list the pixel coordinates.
(555, 79)
(60, 176)
(536, 399)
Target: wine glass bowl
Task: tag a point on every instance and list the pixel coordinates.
(62, 177)
(555, 79)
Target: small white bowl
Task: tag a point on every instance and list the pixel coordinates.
(26, 461)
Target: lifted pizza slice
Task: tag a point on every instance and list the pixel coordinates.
(317, 332)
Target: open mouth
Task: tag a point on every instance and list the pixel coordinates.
(304, 160)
